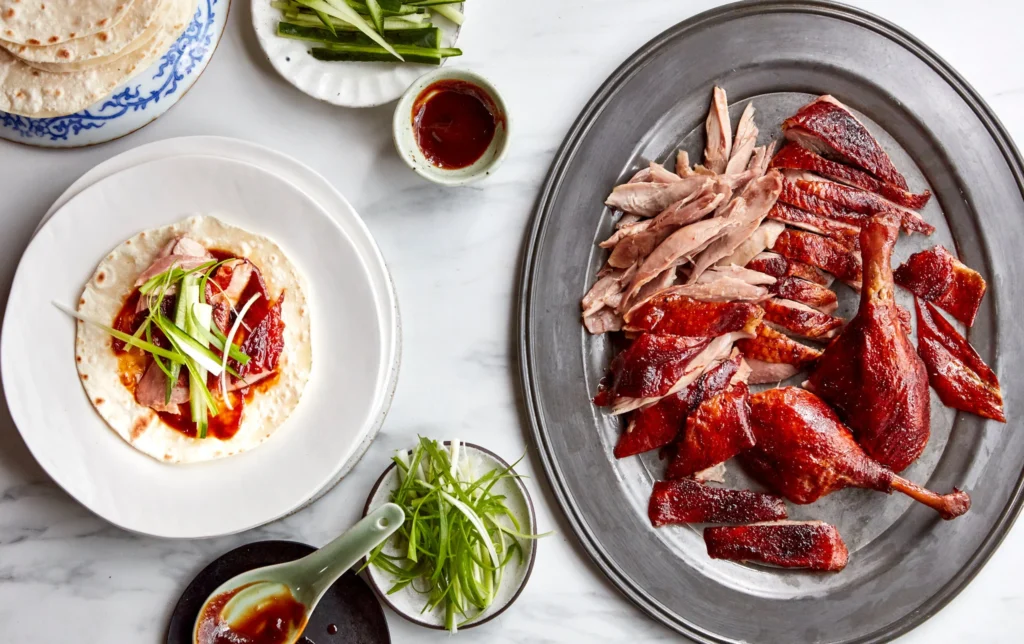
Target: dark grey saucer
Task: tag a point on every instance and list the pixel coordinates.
(905, 564)
(349, 613)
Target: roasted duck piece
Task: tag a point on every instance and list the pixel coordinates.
(800, 320)
(827, 127)
(718, 148)
(804, 452)
(648, 198)
(959, 375)
(773, 356)
(937, 276)
(864, 202)
(846, 234)
(806, 292)
(687, 501)
(827, 254)
(716, 431)
(871, 373)
(794, 157)
(791, 544)
(659, 424)
(673, 313)
(779, 267)
(743, 144)
(762, 238)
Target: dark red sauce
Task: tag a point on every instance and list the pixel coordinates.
(454, 122)
(270, 624)
(263, 339)
(332, 629)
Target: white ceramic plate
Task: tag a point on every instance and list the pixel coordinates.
(345, 84)
(408, 603)
(139, 101)
(89, 460)
(321, 191)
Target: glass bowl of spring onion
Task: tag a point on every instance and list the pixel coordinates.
(468, 544)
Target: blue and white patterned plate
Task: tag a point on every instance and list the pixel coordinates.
(136, 103)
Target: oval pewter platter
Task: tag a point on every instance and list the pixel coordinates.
(905, 563)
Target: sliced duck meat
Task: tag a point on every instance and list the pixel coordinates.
(228, 282)
(264, 343)
(794, 157)
(865, 203)
(631, 249)
(790, 544)
(713, 193)
(682, 244)
(846, 234)
(762, 373)
(661, 283)
(718, 147)
(806, 292)
(778, 267)
(956, 371)
(792, 194)
(610, 283)
(752, 277)
(603, 321)
(800, 320)
(151, 390)
(773, 347)
(715, 286)
(829, 128)
(651, 366)
(658, 425)
(718, 430)
(761, 159)
(650, 198)
(687, 501)
(827, 254)
(241, 383)
(936, 275)
(716, 350)
(673, 313)
(181, 252)
(762, 238)
(683, 168)
(752, 207)
(185, 246)
(743, 144)
(638, 241)
(661, 175)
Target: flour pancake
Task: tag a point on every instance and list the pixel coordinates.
(48, 22)
(137, 27)
(105, 294)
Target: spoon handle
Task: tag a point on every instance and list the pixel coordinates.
(332, 561)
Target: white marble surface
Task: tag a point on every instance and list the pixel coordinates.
(66, 576)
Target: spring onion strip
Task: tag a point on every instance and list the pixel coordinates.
(200, 355)
(175, 275)
(213, 338)
(124, 337)
(230, 341)
(458, 533)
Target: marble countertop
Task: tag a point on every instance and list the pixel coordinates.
(67, 576)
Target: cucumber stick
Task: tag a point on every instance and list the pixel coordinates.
(376, 14)
(430, 38)
(363, 53)
(338, 9)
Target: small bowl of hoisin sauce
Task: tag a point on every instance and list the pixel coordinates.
(451, 127)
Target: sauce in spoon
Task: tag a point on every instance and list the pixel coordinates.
(274, 620)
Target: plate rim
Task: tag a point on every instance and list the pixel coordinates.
(305, 497)
(566, 151)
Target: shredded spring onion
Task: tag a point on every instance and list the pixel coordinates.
(458, 534)
(230, 341)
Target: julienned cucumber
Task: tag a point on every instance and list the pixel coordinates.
(430, 38)
(390, 24)
(366, 53)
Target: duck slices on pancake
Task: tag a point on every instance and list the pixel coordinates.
(827, 127)
(688, 501)
(937, 276)
(794, 157)
(956, 371)
(790, 544)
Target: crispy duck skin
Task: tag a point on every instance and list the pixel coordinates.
(846, 234)
(774, 347)
(871, 373)
(822, 252)
(780, 267)
(792, 195)
(806, 292)
(827, 127)
(800, 320)
(804, 452)
(715, 432)
(790, 544)
(937, 276)
(673, 313)
(659, 424)
(652, 364)
(794, 157)
(687, 501)
(864, 202)
(956, 371)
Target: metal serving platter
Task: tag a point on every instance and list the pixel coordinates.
(905, 563)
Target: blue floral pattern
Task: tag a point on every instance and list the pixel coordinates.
(190, 51)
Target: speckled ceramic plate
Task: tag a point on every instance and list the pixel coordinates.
(344, 84)
(905, 563)
(139, 101)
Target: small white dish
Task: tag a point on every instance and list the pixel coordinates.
(90, 461)
(403, 130)
(407, 602)
(344, 84)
